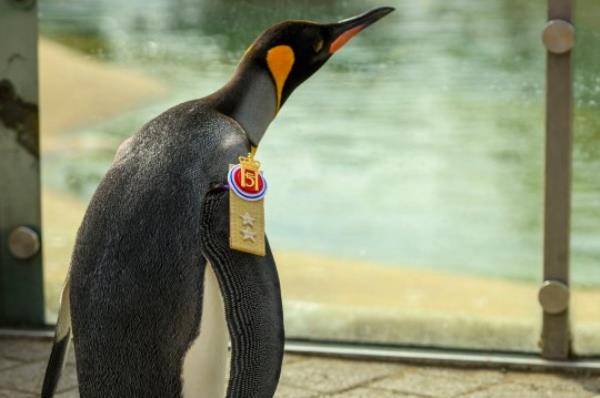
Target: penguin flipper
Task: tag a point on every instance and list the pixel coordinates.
(60, 346)
(252, 298)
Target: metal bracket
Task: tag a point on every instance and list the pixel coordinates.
(24, 243)
(558, 36)
(554, 297)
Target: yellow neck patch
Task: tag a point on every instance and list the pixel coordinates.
(280, 60)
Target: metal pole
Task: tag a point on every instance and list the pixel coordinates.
(559, 39)
(21, 282)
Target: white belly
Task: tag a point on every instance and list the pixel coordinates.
(205, 364)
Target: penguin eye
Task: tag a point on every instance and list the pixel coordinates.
(318, 45)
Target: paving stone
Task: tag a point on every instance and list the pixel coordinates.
(442, 384)
(591, 384)
(513, 390)
(29, 377)
(291, 358)
(373, 393)
(332, 375)
(25, 350)
(544, 378)
(14, 394)
(484, 376)
(552, 382)
(284, 391)
(7, 363)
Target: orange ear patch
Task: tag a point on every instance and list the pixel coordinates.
(280, 60)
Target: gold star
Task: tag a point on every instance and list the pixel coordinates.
(247, 219)
(248, 234)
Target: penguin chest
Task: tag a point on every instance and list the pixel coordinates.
(206, 361)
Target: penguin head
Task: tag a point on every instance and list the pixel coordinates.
(292, 51)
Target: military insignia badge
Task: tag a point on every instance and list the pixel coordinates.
(247, 189)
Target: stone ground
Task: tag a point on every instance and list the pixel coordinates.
(23, 361)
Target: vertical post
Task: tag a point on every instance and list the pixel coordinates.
(559, 39)
(21, 281)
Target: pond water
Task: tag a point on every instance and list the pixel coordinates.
(421, 143)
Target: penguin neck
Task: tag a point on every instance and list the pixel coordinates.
(250, 99)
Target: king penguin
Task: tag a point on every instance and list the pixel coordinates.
(153, 244)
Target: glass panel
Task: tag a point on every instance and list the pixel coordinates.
(406, 175)
(585, 240)
(416, 216)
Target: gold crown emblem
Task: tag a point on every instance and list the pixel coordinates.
(249, 170)
(249, 163)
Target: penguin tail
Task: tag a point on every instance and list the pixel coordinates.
(60, 346)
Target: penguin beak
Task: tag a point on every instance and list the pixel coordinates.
(345, 30)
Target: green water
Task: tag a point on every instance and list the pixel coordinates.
(421, 143)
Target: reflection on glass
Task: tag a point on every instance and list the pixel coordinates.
(406, 176)
(585, 242)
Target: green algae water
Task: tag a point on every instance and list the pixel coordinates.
(420, 143)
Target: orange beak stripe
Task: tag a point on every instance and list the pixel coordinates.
(344, 38)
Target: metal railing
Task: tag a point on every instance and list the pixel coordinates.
(559, 39)
(21, 281)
